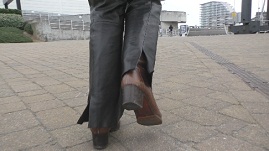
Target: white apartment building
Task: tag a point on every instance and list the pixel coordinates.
(215, 14)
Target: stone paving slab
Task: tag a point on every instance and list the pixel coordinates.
(44, 86)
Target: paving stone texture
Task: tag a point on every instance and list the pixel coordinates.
(43, 91)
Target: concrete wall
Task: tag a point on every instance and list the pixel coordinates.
(173, 16)
(43, 31)
(206, 32)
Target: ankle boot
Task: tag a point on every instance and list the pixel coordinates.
(137, 95)
(100, 137)
(114, 129)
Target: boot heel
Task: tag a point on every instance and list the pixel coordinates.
(132, 97)
(100, 141)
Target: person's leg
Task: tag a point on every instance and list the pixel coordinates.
(141, 33)
(139, 52)
(103, 110)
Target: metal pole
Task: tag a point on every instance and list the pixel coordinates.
(246, 11)
(59, 24)
(6, 6)
(267, 12)
(18, 4)
(82, 24)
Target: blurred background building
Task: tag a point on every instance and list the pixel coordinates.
(216, 14)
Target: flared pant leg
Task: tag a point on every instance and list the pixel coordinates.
(141, 33)
(107, 24)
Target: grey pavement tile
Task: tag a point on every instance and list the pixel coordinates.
(157, 97)
(45, 105)
(202, 101)
(12, 75)
(59, 88)
(182, 74)
(81, 75)
(172, 85)
(168, 104)
(16, 83)
(126, 120)
(78, 101)
(237, 85)
(137, 137)
(80, 109)
(17, 121)
(168, 118)
(263, 120)
(17, 79)
(64, 77)
(254, 134)
(160, 90)
(4, 86)
(58, 118)
(38, 98)
(195, 91)
(201, 115)
(36, 75)
(238, 112)
(11, 99)
(29, 71)
(222, 96)
(201, 83)
(113, 145)
(232, 126)
(187, 131)
(181, 79)
(175, 95)
(225, 142)
(6, 93)
(69, 95)
(218, 87)
(31, 93)
(73, 135)
(24, 139)
(11, 107)
(25, 87)
(258, 107)
(46, 81)
(46, 147)
(77, 83)
(218, 106)
(84, 91)
(249, 96)
(53, 72)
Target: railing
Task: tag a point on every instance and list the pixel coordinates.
(57, 23)
(166, 32)
(69, 24)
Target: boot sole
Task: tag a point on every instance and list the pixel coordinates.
(149, 120)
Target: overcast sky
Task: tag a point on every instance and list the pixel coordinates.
(191, 7)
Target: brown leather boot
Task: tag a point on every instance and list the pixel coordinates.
(137, 95)
(100, 137)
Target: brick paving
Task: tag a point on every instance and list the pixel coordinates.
(43, 91)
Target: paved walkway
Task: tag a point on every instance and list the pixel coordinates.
(205, 107)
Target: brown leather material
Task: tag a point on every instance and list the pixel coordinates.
(100, 130)
(100, 137)
(150, 113)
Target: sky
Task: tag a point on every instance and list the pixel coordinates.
(191, 7)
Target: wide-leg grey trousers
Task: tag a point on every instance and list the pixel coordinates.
(121, 31)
